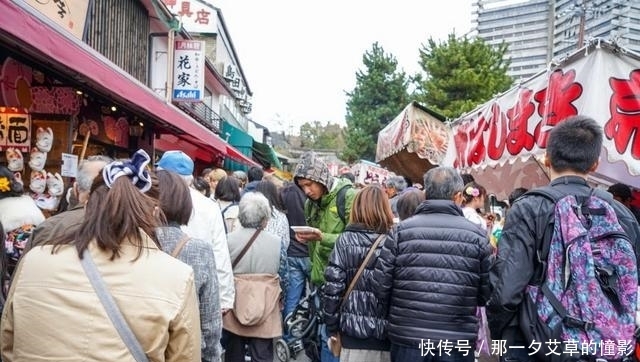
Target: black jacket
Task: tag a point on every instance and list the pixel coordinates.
(521, 238)
(435, 269)
(293, 200)
(361, 321)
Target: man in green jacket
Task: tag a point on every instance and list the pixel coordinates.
(321, 210)
(326, 214)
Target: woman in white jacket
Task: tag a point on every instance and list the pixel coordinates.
(19, 215)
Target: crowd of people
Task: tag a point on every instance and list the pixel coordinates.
(156, 263)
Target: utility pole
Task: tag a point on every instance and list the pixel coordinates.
(583, 15)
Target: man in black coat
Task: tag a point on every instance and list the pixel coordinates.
(434, 270)
(573, 149)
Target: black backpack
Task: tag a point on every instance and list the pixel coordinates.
(341, 203)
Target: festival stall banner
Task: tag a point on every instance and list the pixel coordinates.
(15, 129)
(367, 172)
(418, 131)
(599, 81)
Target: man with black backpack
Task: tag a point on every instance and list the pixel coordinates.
(565, 278)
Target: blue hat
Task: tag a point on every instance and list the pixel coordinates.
(176, 161)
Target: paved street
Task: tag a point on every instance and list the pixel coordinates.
(303, 358)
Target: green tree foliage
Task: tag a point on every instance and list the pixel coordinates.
(461, 74)
(314, 135)
(379, 96)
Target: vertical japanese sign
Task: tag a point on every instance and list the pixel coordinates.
(188, 71)
(15, 129)
(70, 14)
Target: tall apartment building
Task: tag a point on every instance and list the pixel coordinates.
(538, 31)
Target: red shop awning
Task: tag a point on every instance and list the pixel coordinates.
(190, 146)
(39, 37)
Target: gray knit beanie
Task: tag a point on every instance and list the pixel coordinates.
(311, 167)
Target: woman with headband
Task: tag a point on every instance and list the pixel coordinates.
(54, 312)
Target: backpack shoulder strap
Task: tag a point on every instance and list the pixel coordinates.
(545, 228)
(547, 192)
(341, 201)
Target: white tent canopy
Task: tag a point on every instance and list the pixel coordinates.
(503, 141)
(415, 141)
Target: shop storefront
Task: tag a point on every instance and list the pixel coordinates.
(60, 101)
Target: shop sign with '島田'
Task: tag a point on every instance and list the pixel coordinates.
(188, 71)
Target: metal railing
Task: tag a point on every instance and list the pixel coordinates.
(202, 113)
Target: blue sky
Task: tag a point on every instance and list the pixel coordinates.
(300, 56)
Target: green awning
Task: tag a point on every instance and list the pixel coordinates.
(265, 155)
(241, 141)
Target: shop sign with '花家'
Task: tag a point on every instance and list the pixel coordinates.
(188, 71)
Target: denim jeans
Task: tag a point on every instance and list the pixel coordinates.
(400, 353)
(299, 273)
(325, 352)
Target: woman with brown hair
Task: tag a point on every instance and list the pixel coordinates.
(360, 318)
(227, 194)
(53, 311)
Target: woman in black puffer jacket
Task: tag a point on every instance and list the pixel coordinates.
(361, 319)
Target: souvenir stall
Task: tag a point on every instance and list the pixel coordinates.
(502, 142)
(55, 87)
(47, 125)
(415, 141)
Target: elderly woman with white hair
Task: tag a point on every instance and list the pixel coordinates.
(255, 254)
